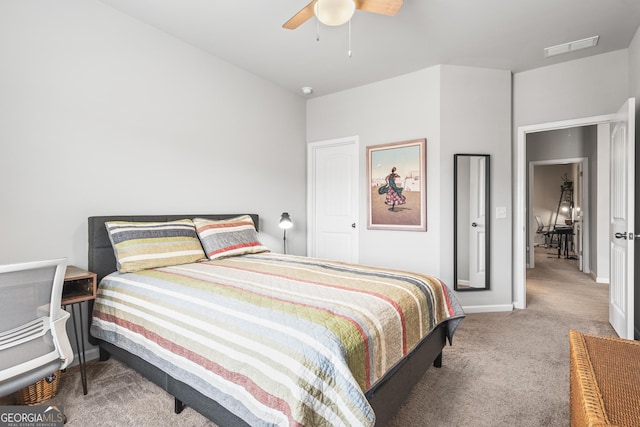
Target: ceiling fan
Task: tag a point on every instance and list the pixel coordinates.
(338, 12)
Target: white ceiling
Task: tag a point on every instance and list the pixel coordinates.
(502, 34)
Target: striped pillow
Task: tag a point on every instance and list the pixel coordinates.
(143, 245)
(230, 237)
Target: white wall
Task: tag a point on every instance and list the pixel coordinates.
(101, 114)
(458, 110)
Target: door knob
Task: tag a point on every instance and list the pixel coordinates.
(474, 224)
(353, 225)
(631, 236)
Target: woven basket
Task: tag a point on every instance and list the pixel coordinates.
(41, 391)
(604, 381)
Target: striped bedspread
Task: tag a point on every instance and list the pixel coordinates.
(276, 339)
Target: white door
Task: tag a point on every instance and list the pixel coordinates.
(333, 202)
(622, 220)
(477, 218)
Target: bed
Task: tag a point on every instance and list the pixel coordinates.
(242, 319)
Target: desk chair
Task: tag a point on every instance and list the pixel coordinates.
(33, 335)
(545, 231)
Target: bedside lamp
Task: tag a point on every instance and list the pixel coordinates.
(285, 224)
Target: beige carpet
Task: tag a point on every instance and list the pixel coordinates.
(512, 369)
(504, 369)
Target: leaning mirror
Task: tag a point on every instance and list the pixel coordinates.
(471, 222)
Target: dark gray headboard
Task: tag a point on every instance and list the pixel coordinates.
(102, 261)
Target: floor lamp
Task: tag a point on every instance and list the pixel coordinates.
(285, 224)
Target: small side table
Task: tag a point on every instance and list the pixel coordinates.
(79, 286)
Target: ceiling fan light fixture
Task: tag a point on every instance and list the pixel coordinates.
(334, 12)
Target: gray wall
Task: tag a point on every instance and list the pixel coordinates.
(458, 110)
(587, 87)
(582, 88)
(398, 109)
(100, 114)
(561, 143)
(476, 119)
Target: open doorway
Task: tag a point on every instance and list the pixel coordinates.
(563, 157)
(598, 166)
(558, 207)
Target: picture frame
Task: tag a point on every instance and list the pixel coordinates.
(397, 190)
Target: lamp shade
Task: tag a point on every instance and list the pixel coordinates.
(285, 221)
(334, 12)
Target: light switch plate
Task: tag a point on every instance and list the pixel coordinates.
(501, 212)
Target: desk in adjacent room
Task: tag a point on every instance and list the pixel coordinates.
(563, 233)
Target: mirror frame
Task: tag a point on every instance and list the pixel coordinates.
(487, 223)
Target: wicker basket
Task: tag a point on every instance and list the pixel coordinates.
(41, 391)
(604, 381)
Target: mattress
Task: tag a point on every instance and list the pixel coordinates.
(275, 339)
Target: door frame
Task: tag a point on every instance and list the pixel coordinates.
(312, 147)
(520, 198)
(584, 235)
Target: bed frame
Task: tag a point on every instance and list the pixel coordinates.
(385, 397)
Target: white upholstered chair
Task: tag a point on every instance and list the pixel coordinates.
(33, 335)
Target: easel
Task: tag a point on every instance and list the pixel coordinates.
(566, 199)
(564, 230)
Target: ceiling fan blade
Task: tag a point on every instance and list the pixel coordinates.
(383, 7)
(300, 17)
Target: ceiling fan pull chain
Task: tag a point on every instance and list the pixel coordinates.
(317, 29)
(349, 52)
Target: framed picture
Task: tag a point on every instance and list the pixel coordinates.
(397, 196)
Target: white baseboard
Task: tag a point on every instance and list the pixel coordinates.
(603, 280)
(487, 308)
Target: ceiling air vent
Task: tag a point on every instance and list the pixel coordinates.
(571, 46)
